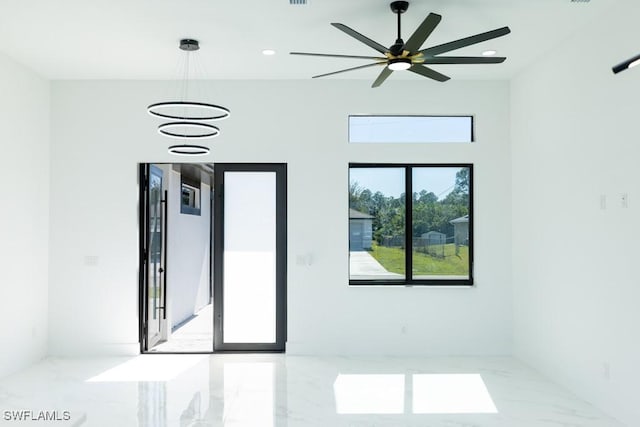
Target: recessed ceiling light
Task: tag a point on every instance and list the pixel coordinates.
(268, 52)
(489, 53)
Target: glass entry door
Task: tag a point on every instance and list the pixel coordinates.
(250, 257)
(155, 316)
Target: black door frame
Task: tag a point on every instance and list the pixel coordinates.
(143, 185)
(280, 170)
(145, 170)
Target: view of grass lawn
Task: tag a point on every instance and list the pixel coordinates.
(392, 259)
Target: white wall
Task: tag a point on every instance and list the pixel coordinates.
(575, 140)
(188, 256)
(302, 123)
(24, 215)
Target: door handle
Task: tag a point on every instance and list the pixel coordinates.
(161, 270)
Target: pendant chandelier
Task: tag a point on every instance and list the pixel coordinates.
(188, 120)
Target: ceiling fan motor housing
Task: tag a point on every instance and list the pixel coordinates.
(397, 48)
(399, 6)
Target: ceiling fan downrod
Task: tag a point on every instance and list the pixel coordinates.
(398, 7)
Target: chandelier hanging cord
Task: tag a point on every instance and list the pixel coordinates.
(191, 110)
(185, 79)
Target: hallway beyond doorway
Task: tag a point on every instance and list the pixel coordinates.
(193, 336)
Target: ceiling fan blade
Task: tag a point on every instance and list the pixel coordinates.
(353, 33)
(350, 69)
(629, 63)
(465, 60)
(428, 72)
(382, 77)
(467, 41)
(379, 58)
(422, 32)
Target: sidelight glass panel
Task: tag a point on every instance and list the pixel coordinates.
(249, 282)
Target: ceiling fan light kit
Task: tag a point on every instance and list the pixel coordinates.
(399, 64)
(188, 116)
(409, 55)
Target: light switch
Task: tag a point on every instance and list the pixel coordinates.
(91, 260)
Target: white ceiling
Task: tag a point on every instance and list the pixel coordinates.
(138, 39)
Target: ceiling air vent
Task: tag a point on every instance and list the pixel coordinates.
(297, 1)
(580, 1)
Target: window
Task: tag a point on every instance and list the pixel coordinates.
(189, 194)
(426, 239)
(410, 129)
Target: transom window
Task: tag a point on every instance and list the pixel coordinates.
(410, 129)
(425, 239)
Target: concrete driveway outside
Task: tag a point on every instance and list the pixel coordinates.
(363, 266)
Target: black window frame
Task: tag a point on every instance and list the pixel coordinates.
(409, 281)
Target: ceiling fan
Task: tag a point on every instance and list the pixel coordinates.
(408, 56)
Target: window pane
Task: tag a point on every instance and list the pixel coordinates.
(440, 226)
(190, 196)
(376, 223)
(447, 129)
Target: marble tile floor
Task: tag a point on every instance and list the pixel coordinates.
(276, 390)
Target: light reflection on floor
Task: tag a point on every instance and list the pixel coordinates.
(148, 367)
(369, 394)
(451, 394)
(274, 390)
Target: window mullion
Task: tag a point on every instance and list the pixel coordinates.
(408, 220)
